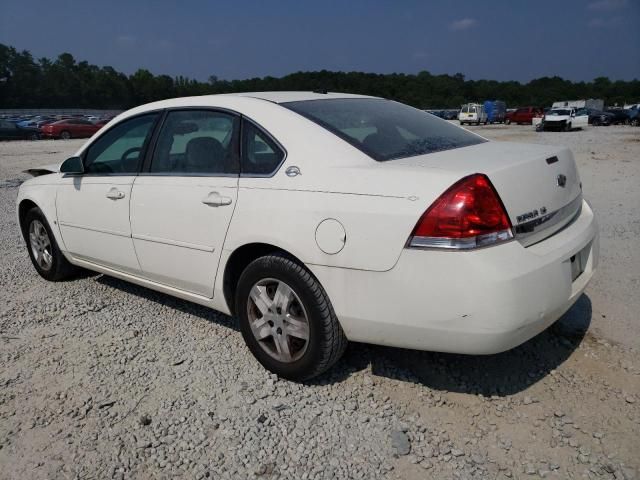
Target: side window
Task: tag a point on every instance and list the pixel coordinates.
(119, 150)
(260, 154)
(196, 142)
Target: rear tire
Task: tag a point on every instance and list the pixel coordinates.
(45, 255)
(635, 122)
(282, 320)
(507, 121)
(65, 135)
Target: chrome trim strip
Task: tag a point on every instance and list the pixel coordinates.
(176, 243)
(469, 243)
(542, 227)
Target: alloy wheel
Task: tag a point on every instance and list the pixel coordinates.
(40, 245)
(278, 320)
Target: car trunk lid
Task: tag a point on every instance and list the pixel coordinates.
(539, 185)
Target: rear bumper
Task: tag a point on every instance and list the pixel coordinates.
(479, 302)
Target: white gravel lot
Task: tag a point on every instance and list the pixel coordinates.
(103, 379)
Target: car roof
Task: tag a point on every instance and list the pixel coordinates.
(222, 100)
(283, 97)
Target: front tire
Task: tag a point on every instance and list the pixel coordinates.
(567, 127)
(45, 255)
(287, 320)
(65, 135)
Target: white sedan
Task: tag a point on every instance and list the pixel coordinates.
(319, 218)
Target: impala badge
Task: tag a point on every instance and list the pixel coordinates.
(562, 180)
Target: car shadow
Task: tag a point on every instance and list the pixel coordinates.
(502, 374)
(169, 301)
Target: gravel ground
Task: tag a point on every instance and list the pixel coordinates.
(102, 379)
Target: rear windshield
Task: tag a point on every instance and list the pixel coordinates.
(383, 129)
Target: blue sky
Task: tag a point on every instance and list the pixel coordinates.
(500, 39)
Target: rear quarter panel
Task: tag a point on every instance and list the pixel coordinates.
(376, 227)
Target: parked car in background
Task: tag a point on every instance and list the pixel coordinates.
(496, 111)
(13, 131)
(634, 116)
(523, 115)
(450, 114)
(598, 117)
(473, 113)
(36, 121)
(317, 218)
(69, 128)
(564, 119)
(620, 115)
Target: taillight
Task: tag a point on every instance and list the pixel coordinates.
(468, 215)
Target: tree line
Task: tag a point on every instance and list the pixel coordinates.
(26, 82)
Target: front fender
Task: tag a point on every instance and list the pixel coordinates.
(44, 197)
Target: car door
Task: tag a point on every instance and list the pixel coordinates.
(93, 208)
(82, 129)
(183, 202)
(5, 130)
(581, 118)
(9, 130)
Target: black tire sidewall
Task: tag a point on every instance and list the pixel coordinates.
(279, 268)
(53, 273)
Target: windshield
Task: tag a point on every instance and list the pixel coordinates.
(384, 129)
(559, 112)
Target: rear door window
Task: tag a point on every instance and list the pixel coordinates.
(197, 142)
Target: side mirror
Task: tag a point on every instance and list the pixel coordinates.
(72, 165)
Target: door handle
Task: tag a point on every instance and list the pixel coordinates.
(115, 194)
(214, 199)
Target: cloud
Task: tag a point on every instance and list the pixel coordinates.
(605, 22)
(462, 24)
(125, 40)
(602, 5)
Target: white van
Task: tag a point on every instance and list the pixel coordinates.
(473, 113)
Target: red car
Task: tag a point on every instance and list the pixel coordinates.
(69, 128)
(524, 115)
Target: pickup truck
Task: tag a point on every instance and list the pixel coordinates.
(565, 119)
(524, 115)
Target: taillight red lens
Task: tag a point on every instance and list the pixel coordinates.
(468, 215)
